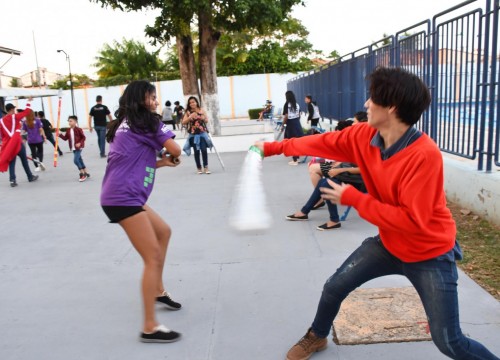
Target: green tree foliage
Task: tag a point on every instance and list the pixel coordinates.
(120, 63)
(79, 80)
(14, 82)
(334, 55)
(213, 18)
(280, 49)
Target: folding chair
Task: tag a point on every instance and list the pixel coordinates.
(277, 119)
(343, 217)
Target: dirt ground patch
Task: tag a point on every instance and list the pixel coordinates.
(480, 242)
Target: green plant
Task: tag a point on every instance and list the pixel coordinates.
(254, 113)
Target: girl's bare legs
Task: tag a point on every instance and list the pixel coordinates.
(163, 233)
(142, 234)
(315, 176)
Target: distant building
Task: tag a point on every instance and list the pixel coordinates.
(40, 77)
(319, 61)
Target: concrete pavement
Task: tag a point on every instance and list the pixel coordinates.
(69, 281)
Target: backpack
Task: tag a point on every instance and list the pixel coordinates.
(316, 114)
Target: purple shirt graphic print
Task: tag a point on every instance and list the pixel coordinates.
(130, 172)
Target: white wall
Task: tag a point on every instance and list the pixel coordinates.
(472, 189)
(237, 94)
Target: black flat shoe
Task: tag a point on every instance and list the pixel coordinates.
(297, 218)
(316, 207)
(326, 227)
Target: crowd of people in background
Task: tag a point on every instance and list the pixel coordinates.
(36, 130)
(19, 127)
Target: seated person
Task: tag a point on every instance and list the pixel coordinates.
(346, 173)
(317, 170)
(268, 108)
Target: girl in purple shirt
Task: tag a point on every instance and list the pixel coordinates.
(36, 138)
(135, 138)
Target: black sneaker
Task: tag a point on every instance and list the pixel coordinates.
(161, 334)
(33, 178)
(87, 174)
(166, 299)
(13, 183)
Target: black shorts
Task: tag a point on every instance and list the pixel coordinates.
(119, 213)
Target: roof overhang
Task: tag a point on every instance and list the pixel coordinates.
(18, 93)
(9, 51)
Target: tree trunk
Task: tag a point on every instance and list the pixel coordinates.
(187, 67)
(208, 73)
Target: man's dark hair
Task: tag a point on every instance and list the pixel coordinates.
(401, 89)
(73, 117)
(98, 98)
(361, 116)
(168, 103)
(41, 114)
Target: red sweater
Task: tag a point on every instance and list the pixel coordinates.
(10, 132)
(405, 199)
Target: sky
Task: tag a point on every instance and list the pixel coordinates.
(81, 28)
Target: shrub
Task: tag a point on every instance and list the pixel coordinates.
(254, 113)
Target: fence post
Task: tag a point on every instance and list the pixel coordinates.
(492, 101)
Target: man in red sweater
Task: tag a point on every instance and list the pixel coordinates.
(403, 172)
(12, 146)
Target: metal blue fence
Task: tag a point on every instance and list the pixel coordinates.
(456, 53)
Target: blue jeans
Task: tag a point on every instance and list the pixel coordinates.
(24, 162)
(101, 138)
(77, 159)
(434, 280)
(316, 196)
(202, 150)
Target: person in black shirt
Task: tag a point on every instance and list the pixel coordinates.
(179, 113)
(312, 110)
(47, 128)
(99, 112)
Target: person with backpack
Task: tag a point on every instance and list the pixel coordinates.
(312, 110)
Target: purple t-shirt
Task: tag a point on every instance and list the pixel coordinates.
(34, 136)
(131, 167)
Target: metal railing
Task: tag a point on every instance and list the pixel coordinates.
(455, 55)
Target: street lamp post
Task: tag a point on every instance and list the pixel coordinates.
(70, 81)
